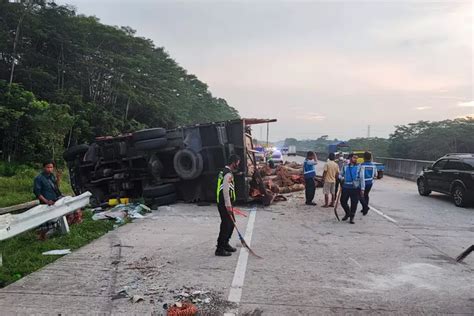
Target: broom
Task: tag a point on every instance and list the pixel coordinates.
(465, 253)
(338, 197)
(242, 240)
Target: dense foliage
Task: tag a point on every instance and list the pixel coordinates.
(422, 140)
(430, 140)
(102, 80)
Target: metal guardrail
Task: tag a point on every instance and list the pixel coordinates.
(18, 207)
(408, 169)
(12, 225)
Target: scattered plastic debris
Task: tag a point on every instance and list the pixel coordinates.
(122, 211)
(123, 293)
(57, 252)
(136, 298)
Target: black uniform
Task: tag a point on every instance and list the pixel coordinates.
(227, 226)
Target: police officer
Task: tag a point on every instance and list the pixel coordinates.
(309, 176)
(352, 187)
(369, 172)
(225, 197)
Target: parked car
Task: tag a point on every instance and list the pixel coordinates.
(452, 174)
(164, 165)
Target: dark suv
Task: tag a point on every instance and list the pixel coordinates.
(452, 174)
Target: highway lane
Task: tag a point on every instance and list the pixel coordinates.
(312, 263)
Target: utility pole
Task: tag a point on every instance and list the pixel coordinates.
(368, 131)
(268, 128)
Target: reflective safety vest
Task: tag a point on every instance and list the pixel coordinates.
(220, 185)
(309, 170)
(369, 170)
(351, 176)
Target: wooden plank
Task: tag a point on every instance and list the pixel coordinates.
(19, 207)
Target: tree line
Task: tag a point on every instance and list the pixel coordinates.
(68, 78)
(423, 140)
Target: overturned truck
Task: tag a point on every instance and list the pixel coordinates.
(164, 166)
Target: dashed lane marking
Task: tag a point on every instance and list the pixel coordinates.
(235, 292)
(382, 214)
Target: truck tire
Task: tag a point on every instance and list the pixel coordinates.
(188, 164)
(151, 144)
(380, 175)
(159, 190)
(150, 133)
(174, 134)
(165, 199)
(72, 152)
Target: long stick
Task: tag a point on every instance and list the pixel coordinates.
(338, 197)
(242, 240)
(465, 253)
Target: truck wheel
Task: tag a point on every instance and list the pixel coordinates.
(158, 191)
(175, 142)
(72, 152)
(188, 164)
(174, 134)
(151, 144)
(380, 175)
(423, 189)
(150, 133)
(165, 200)
(459, 196)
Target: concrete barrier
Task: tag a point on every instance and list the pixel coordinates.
(404, 168)
(321, 155)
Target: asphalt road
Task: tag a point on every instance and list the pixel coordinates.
(399, 264)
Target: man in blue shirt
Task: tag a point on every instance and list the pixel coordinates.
(46, 185)
(369, 172)
(309, 174)
(352, 187)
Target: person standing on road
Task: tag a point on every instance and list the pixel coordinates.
(330, 174)
(368, 173)
(352, 187)
(225, 196)
(309, 169)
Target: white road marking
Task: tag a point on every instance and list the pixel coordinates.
(355, 261)
(235, 292)
(382, 214)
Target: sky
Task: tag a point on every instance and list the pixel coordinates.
(319, 67)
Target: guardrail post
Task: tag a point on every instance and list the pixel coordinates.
(63, 225)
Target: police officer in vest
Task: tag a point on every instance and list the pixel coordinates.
(352, 187)
(309, 170)
(225, 197)
(369, 172)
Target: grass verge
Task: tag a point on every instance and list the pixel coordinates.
(16, 183)
(22, 254)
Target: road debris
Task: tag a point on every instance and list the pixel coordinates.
(182, 309)
(122, 211)
(57, 252)
(136, 298)
(208, 302)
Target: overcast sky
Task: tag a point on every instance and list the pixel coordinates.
(319, 67)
